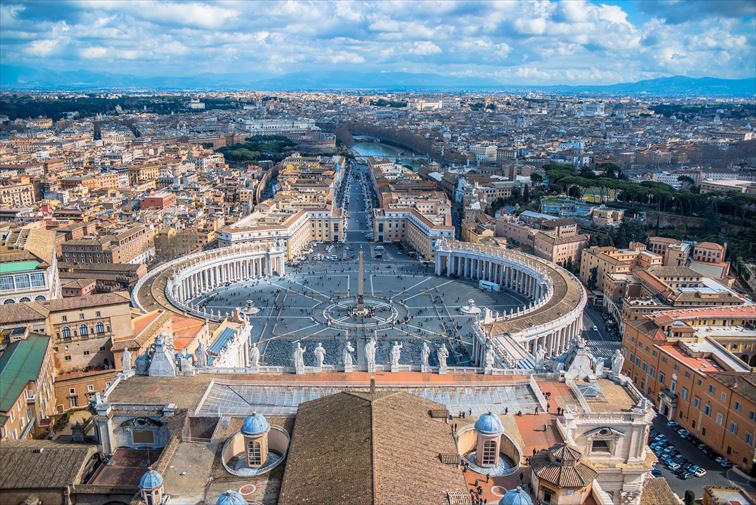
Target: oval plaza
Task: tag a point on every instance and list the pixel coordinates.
(461, 364)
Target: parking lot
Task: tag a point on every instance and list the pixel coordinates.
(687, 452)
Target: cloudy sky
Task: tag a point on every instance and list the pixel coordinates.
(514, 42)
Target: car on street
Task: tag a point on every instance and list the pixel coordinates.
(595, 328)
(673, 424)
(723, 462)
(683, 432)
(699, 472)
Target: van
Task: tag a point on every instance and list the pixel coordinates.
(379, 248)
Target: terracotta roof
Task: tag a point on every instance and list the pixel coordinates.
(82, 302)
(42, 464)
(380, 448)
(560, 465)
(657, 492)
(23, 313)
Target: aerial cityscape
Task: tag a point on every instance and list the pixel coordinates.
(324, 253)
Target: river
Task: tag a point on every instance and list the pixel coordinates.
(378, 150)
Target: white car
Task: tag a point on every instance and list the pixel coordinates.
(595, 328)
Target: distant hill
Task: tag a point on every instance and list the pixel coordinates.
(32, 78)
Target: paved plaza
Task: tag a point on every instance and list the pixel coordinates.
(312, 304)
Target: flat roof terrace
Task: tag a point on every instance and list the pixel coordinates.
(239, 394)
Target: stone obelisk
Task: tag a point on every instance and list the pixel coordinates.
(360, 286)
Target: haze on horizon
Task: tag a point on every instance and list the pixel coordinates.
(508, 42)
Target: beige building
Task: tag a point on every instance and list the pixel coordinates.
(597, 263)
(130, 245)
(17, 195)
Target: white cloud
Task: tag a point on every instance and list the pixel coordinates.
(42, 48)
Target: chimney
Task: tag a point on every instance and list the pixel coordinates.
(372, 385)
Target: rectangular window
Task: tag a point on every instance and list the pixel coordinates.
(143, 437)
(707, 409)
(711, 388)
(90, 387)
(684, 394)
(724, 397)
(697, 402)
(748, 438)
(661, 378)
(720, 418)
(6, 283)
(738, 406)
(733, 428)
(601, 446)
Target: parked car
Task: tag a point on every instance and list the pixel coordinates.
(673, 424)
(683, 432)
(699, 472)
(723, 462)
(656, 473)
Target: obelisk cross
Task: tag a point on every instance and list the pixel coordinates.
(360, 287)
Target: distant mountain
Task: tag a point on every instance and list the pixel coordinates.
(32, 78)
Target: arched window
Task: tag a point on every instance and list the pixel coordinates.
(39, 298)
(83, 331)
(254, 453)
(9, 301)
(100, 328)
(24, 299)
(66, 332)
(489, 452)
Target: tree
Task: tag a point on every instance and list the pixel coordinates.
(526, 194)
(536, 179)
(690, 497)
(593, 278)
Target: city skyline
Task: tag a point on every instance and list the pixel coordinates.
(475, 43)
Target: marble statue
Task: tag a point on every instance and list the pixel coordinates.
(540, 355)
(142, 364)
(370, 354)
(319, 353)
(425, 355)
(442, 353)
(396, 352)
(126, 360)
(254, 356)
(490, 358)
(617, 361)
(299, 351)
(347, 355)
(185, 363)
(598, 367)
(200, 356)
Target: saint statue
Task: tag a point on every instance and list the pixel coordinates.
(298, 358)
(126, 360)
(200, 356)
(442, 353)
(425, 355)
(540, 355)
(370, 353)
(396, 352)
(347, 355)
(617, 361)
(254, 356)
(319, 353)
(490, 358)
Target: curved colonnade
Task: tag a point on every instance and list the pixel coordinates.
(175, 284)
(551, 320)
(520, 338)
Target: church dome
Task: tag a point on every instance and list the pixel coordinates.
(516, 496)
(151, 480)
(231, 498)
(489, 424)
(256, 424)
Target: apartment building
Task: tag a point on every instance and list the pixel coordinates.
(17, 195)
(28, 266)
(598, 263)
(301, 212)
(411, 210)
(558, 240)
(130, 245)
(680, 360)
(26, 387)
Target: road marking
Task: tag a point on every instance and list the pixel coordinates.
(411, 287)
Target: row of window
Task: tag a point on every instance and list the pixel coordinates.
(24, 299)
(99, 329)
(22, 281)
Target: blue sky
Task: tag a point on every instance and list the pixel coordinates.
(513, 42)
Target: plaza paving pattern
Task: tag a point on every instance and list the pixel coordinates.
(299, 307)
